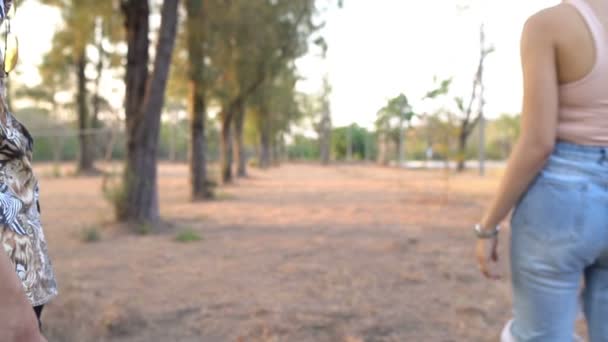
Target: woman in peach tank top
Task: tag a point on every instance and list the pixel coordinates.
(557, 179)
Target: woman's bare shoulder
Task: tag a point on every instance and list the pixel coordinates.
(550, 21)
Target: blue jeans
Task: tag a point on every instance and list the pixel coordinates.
(559, 238)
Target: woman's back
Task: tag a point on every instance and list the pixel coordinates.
(581, 43)
(556, 181)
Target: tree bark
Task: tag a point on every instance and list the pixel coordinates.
(265, 144)
(99, 69)
(383, 148)
(173, 137)
(276, 153)
(349, 143)
(199, 185)
(239, 148)
(282, 150)
(137, 26)
(226, 144)
(482, 123)
(144, 103)
(227, 116)
(325, 139)
(85, 156)
(462, 147)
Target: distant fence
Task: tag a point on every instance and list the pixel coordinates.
(109, 143)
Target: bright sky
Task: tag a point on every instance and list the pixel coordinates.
(380, 48)
(35, 25)
(377, 49)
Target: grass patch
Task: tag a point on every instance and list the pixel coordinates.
(254, 162)
(224, 196)
(188, 236)
(90, 235)
(114, 192)
(56, 171)
(143, 229)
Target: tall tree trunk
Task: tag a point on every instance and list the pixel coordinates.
(381, 149)
(482, 121)
(228, 114)
(144, 103)
(94, 139)
(226, 144)
(137, 27)
(276, 152)
(99, 68)
(462, 149)
(349, 143)
(173, 137)
(85, 156)
(384, 147)
(325, 134)
(265, 143)
(282, 149)
(199, 185)
(401, 143)
(239, 148)
(109, 147)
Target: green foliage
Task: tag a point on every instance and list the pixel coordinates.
(501, 135)
(143, 229)
(251, 48)
(360, 140)
(188, 235)
(275, 103)
(55, 139)
(441, 131)
(174, 140)
(81, 19)
(303, 148)
(114, 192)
(56, 171)
(397, 108)
(442, 89)
(224, 196)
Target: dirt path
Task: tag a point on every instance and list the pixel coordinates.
(299, 253)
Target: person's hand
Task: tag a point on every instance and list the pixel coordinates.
(486, 251)
(18, 321)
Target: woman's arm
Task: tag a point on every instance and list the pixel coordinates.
(538, 126)
(17, 319)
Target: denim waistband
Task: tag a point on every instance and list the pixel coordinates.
(583, 153)
(572, 160)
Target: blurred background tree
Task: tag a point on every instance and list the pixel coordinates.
(231, 97)
(79, 45)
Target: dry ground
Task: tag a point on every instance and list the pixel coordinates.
(297, 253)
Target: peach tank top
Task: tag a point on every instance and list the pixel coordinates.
(583, 104)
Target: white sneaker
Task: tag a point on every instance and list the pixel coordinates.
(506, 335)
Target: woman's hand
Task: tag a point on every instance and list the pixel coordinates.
(486, 251)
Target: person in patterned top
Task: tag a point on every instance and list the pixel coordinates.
(21, 234)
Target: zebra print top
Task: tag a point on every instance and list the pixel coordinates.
(4, 7)
(21, 233)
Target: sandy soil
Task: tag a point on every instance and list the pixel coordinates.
(297, 253)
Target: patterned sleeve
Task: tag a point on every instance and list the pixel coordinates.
(5, 5)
